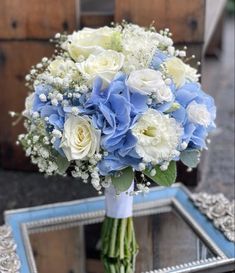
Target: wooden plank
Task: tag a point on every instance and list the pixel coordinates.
(106, 6)
(16, 59)
(185, 18)
(60, 251)
(93, 19)
(37, 19)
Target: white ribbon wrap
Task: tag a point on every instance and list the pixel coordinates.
(119, 206)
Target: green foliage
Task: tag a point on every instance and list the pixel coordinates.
(62, 164)
(123, 182)
(164, 178)
(190, 157)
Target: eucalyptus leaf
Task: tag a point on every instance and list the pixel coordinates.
(190, 157)
(62, 164)
(164, 178)
(124, 180)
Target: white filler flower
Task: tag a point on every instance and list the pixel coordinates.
(29, 105)
(105, 65)
(149, 82)
(157, 135)
(80, 139)
(63, 67)
(198, 113)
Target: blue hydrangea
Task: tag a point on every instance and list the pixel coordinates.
(114, 111)
(55, 114)
(194, 134)
(158, 58)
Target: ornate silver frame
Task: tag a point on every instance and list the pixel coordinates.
(218, 209)
(9, 260)
(217, 264)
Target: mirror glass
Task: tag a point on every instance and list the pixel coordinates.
(165, 239)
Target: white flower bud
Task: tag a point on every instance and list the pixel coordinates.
(28, 77)
(59, 97)
(168, 81)
(35, 115)
(39, 65)
(33, 71)
(182, 53)
(65, 103)
(12, 114)
(44, 60)
(171, 50)
(57, 35)
(164, 166)
(184, 145)
(142, 166)
(75, 111)
(54, 102)
(56, 133)
(153, 172)
(42, 97)
(35, 139)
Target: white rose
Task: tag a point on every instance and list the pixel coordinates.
(149, 82)
(104, 65)
(158, 137)
(63, 67)
(29, 105)
(180, 72)
(89, 41)
(198, 113)
(164, 94)
(176, 69)
(191, 73)
(80, 139)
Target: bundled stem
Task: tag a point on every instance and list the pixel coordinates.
(119, 247)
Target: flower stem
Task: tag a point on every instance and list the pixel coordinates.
(119, 247)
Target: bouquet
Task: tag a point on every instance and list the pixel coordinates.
(116, 107)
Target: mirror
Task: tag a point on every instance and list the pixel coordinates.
(164, 237)
(172, 233)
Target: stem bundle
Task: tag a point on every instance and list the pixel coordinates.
(119, 246)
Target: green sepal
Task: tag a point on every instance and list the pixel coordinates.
(124, 180)
(190, 157)
(164, 178)
(174, 107)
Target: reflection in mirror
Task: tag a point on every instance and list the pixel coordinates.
(165, 239)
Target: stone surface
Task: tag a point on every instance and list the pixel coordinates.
(217, 170)
(19, 189)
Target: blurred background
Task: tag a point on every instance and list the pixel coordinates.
(205, 26)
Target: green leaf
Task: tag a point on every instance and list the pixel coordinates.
(123, 182)
(164, 178)
(62, 164)
(190, 157)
